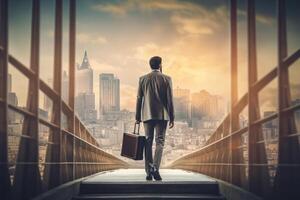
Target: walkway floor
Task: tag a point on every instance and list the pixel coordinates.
(138, 175)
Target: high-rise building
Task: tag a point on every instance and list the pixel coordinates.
(12, 99)
(84, 76)
(182, 104)
(206, 105)
(109, 93)
(85, 97)
(85, 107)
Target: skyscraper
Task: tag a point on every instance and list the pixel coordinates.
(109, 93)
(84, 77)
(206, 105)
(85, 107)
(182, 104)
(12, 96)
(85, 97)
(12, 99)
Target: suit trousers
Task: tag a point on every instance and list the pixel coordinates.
(160, 131)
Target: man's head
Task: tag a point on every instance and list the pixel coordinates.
(155, 62)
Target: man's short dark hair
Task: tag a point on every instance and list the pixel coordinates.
(154, 62)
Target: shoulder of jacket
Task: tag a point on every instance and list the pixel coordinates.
(142, 77)
(167, 77)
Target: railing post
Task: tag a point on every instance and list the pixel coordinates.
(234, 117)
(4, 173)
(28, 148)
(252, 76)
(258, 176)
(72, 53)
(34, 86)
(233, 47)
(57, 103)
(288, 148)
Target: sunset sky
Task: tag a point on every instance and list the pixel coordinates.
(192, 37)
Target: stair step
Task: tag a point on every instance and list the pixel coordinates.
(148, 196)
(131, 184)
(203, 188)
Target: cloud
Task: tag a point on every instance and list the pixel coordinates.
(90, 38)
(123, 7)
(263, 19)
(167, 5)
(128, 96)
(145, 51)
(191, 25)
(188, 18)
(101, 66)
(119, 9)
(200, 20)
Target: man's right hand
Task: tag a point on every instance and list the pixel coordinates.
(171, 124)
(137, 121)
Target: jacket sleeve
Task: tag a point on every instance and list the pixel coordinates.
(170, 105)
(139, 100)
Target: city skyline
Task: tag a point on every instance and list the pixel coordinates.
(85, 84)
(120, 47)
(85, 94)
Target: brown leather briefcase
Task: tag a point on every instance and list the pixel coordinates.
(133, 144)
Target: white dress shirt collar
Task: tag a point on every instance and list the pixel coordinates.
(155, 70)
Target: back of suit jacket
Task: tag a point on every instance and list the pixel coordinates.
(155, 98)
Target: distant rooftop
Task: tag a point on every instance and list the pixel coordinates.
(85, 62)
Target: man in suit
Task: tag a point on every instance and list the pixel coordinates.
(155, 108)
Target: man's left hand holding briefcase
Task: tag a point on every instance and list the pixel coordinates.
(133, 144)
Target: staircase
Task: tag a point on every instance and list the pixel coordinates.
(131, 184)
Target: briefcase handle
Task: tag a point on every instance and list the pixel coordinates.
(138, 130)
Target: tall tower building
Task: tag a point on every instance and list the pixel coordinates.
(182, 104)
(85, 97)
(12, 99)
(84, 77)
(109, 93)
(204, 105)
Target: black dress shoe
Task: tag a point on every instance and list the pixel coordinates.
(149, 177)
(156, 175)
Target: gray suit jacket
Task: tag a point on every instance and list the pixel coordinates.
(155, 97)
